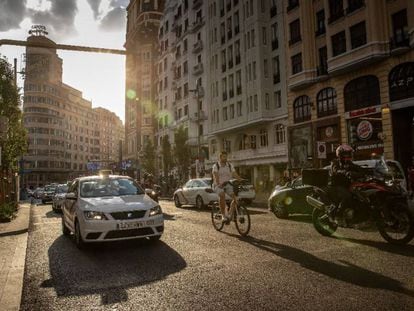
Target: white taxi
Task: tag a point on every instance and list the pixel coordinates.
(109, 208)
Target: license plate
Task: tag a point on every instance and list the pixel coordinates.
(134, 225)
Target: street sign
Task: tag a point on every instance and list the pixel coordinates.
(321, 146)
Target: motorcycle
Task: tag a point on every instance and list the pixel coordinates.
(153, 192)
(377, 199)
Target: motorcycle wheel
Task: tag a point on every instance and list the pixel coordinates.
(322, 223)
(400, 228)
(280, 211)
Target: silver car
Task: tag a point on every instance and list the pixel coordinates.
(109, 208)
(59, 198)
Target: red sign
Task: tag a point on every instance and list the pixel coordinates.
(361, 112)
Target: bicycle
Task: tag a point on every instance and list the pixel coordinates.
(238, 213)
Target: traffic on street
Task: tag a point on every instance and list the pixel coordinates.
(283, 264)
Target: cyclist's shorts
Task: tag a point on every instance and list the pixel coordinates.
(228, 189)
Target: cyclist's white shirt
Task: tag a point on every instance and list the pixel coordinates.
(224, 172)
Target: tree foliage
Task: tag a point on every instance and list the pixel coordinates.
(182, 152)
(14, 144)
(166, 152)
(148, 158)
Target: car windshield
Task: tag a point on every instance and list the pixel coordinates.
(62, 189)
(105, 187)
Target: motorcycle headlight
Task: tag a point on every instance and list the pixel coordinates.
(91, 215)
(153, 193)
(156, 210)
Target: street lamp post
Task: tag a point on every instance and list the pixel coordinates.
(197, 92)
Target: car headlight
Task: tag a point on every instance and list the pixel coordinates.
(91, 215)
(288, 200)
(156, 210)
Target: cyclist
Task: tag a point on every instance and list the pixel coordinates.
(223, 171)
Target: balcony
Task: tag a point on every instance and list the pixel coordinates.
(198, 69)
(198, 46)
(197, 4)
(203, 116)
(197, 24)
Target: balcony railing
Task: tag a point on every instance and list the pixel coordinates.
(198, 69)
(197, 4)
(198, 46)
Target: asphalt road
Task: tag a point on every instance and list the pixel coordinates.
(283, 265)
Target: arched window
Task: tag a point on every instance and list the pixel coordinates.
(326, 102)
(302, 109)
(401, 82)
(361, 93)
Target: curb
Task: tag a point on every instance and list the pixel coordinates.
(14, 235)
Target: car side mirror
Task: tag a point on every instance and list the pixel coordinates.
(71, 196)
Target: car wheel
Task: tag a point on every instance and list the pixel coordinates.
(280, 211)
(177, 201)
(65, 229)
(199, 202)
(78, 237)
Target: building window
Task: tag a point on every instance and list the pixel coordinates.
(354, 5)
(267, 101)
(276, 69)
(280, 134)
(264, 142)
(302, 109)
(253, 141)
(336, 10)
(273, 8)
(239, 109)
(361, 93)
(294, 32)
(338, 43)
(225, 116)
(358, 35)
(275, 40)
(326, 102)
(400, 30)
(292, 4)
(320, 23)
(277, 97)
(296, 63)
(401, 82)
(323, 61)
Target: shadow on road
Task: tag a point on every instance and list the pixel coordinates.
(403, 250)
(52, 214)
(109, 269)
(301, 218)
(346, 272)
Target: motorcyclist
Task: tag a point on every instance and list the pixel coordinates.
(342, 171)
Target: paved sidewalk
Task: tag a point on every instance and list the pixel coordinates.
(13, 243)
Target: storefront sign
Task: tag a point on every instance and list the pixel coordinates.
(362, 112)
(329, 131)
(364, 130)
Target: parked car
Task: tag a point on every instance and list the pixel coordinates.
(290, 199)
(109, 208)
(248, 192)
(59, 197)
(197, 192)
(38, 192)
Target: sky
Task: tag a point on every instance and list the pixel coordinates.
(96, 23)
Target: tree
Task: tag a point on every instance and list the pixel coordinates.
(166, 155)
(182, 152)
(148, 158)
(14, 143)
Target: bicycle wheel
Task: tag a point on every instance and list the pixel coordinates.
(216, 217)
(242, 220)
